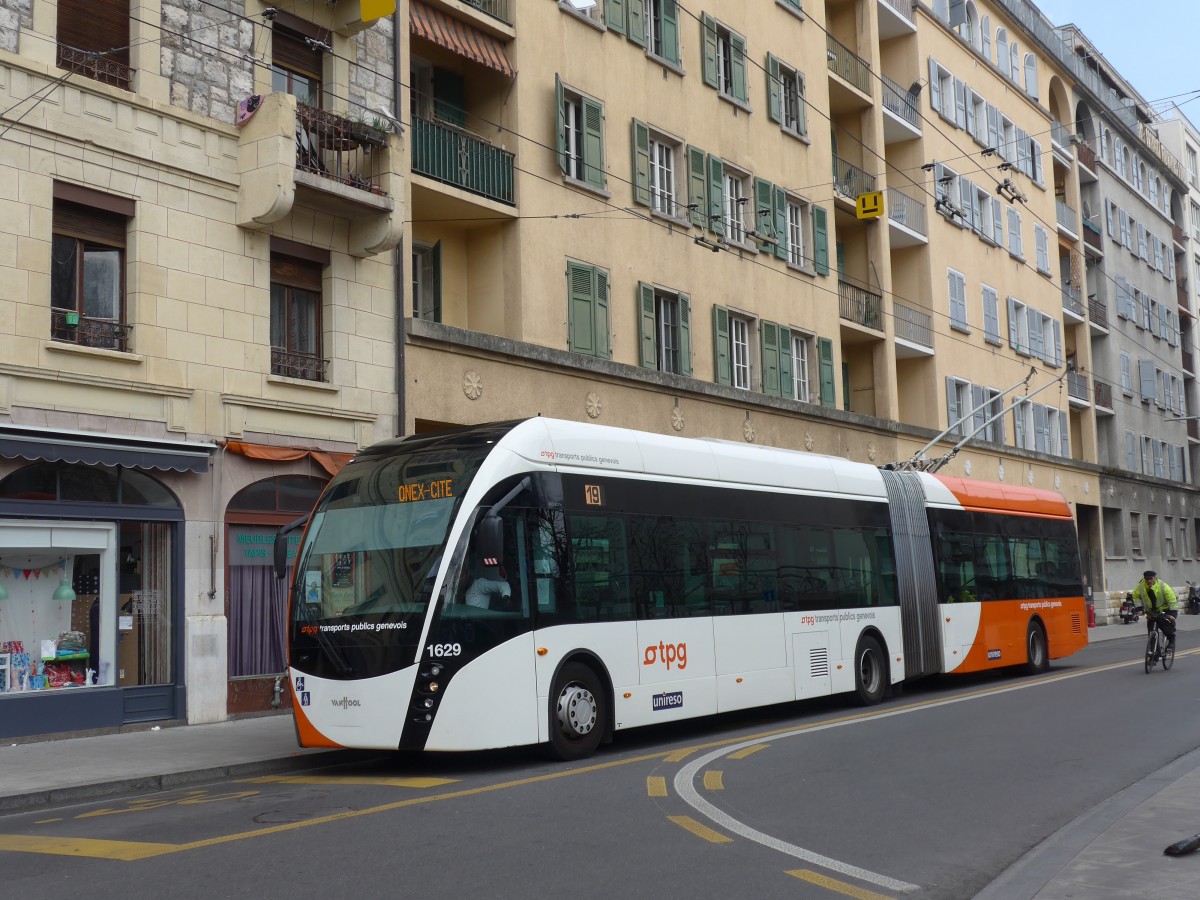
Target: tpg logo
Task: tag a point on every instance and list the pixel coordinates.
(671, 654)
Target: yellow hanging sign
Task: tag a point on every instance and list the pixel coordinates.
(376, 9)
(870, 206)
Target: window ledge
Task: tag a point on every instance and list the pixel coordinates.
(590, 188)
(576, 14)
(737, 104)
(960, 327)
(787, 7)
(682, 221)
(322, 386)
(97, 352)
(667, 64)
(807, 270)
(796, 135)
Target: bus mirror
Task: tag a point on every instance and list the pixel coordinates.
(491, 540)
(280, 556)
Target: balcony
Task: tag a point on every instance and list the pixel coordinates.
(1077, 390)
(1086, 155)
(1193, 430)
(452, 156)
(1180, 236)
(290, 155)
(851, 89)
(304, 366)
(862, 307)
(1068, 219)
(895, 19)
(1093, 240)
(1061, 141)
(1072, 302)
(1098, 315)
(497, 9)
(96, 66)
(914, 331)
(1189, 362)
(906, 220)
(1102, 393)
(849, 180)
(69, 327)
(901, 120)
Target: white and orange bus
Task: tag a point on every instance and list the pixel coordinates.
(552, 582)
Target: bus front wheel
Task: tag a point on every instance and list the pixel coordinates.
(870, 671)
(577, 712)
(1035, 642)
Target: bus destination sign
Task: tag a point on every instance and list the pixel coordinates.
(437, 489)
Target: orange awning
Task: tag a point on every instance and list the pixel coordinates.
(458, 37)
(327, 460)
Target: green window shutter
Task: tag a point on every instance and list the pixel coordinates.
(669, 31)
(708, 40)
(846, 386)
(787, 389)
(840, 248)
(646, 330)
(685, 335)
(764, 208)
(603, 346)
(820, 241)
(697, 187)
(716, 195)
(435, 266)
(449, 97)
(780, 214)
(560, 134)
(774, 90)
(614, 15)
(769, 339)
(825, 358)
(593, 143)
(636, 17)
(737, 48)
(723, 373)
(581, 294)
(641, 163)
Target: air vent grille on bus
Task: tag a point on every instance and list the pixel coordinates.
(1076, 624)
(818, 663)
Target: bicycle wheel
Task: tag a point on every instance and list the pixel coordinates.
(1151, 650)
(1168, 656)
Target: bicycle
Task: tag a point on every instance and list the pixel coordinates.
(1158, 647)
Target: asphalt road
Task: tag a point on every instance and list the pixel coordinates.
(930, 795)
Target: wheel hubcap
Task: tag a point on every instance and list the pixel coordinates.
(576, 710)
(868, 672)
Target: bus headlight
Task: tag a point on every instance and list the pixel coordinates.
(433, 687)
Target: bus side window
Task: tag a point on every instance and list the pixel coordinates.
(549, 543)
(602, 588)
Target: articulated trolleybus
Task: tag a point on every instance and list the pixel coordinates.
(553, 582)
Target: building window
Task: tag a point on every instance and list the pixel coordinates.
(739, 350)
(664, 330)
(1114, 532)
(797, 213)
(1169, 537)
(662, 177)
(657, 158)
(93, 40)
(662, 28)
(1041, 240)
(296, 318)
(1018, 326)
(800, 356)
(736, 199)
(297, 60)
(1015, 247)
(731, 348)
(589, 9)
(580, 136)
(724, 60)
(785, 95)
(957, 286)
(958, 405)
(991, 315)
(1135, 534)
(587, 298)
(427, 281)
(87, 268)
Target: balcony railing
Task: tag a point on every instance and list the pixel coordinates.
(850, 180)
(1098, 312)
(306, 366)
(907, 211)
(1193, 429)
(1060, 135)
(860, 306)
(848, 65)
(1179, 235)
(897, 99)
(452, 156)
(1086, 155)
(497, 9)
(1072, 302)
(1182, 292)
(335, 147)
(1189, 362)
(84, 331)
(1092, 236)
(904, 7)
(1067, 217)
(1077, 385)
(912, 325)
(95, 66)
(1103, 392)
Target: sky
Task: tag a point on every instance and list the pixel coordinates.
(1155, 52)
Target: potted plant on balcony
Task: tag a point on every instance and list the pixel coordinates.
(367, 131)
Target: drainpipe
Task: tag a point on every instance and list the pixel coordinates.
(398, 258)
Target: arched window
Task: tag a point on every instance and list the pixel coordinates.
(1139, 176)
(968, 28)
(1031, 75)
(1002, 49)
(79, 483)
(1014, 62)
(1105, 143)
(985, 37)
(1154, 191)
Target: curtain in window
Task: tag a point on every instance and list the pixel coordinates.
(257, 610)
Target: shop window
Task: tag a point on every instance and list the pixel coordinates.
(71, 482)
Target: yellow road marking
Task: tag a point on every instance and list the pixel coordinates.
(742, 754)
(687, 822)
(681, 755)
(194, 798)
(47, 821)
(834, 885)
(656, 786)
(86, 847)
(385, 781)
(712, 781)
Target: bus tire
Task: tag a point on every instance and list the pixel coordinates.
(578, 712)
(1037, 655)
(870, 671)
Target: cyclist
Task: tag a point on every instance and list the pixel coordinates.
(1157, 597)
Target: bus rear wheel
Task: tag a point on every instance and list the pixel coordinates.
(577, 712)
(1035, 644)
(870, 671)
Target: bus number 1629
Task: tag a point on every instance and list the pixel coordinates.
(443, 649)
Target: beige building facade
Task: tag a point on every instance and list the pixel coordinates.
(246, 241)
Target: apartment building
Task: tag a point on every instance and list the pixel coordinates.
(198, 329)
(248, 243)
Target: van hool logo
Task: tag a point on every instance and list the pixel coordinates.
(672, 700)
(346, 703)
(993, 654)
